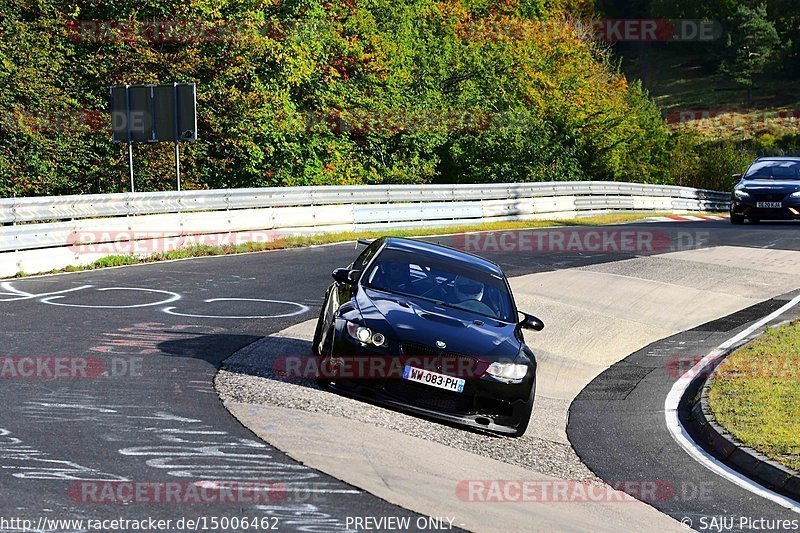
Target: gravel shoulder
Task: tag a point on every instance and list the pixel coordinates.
(246, 378)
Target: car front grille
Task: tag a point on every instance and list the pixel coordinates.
(419, 350)
(767, 196)
(467, 366)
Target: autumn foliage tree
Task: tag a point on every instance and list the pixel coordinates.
(310, 92)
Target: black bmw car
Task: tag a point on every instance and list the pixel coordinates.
(431, 330)
(769, 190)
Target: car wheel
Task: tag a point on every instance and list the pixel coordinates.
(315, 344)
(323, 354)
(737, 219)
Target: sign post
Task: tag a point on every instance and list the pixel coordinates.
(152, 114)
(130, 164)
(178, 164)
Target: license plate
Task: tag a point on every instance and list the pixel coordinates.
(769, 205)
(433, 379)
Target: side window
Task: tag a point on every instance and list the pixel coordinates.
(361, 262)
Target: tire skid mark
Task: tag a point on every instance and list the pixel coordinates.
(179, 446)
(26, 462)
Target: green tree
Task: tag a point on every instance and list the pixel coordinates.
(313, 92)
(753, 45)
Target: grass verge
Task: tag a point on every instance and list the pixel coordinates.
(329, 238)
(755, 394)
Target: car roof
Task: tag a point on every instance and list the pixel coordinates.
(444, 252)
(779, 158)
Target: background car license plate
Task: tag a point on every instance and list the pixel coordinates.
(769, 205)
(433, 379)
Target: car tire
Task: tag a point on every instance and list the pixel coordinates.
(315, 344)
(324, 353)
(737, 219)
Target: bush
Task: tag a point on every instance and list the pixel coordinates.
(710, 163)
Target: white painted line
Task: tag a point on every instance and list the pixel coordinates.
(694, 218)
(173, 296)
(22, 295)
(300, 309)
(697, 453)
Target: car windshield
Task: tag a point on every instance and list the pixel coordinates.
(443, 281)
(784, 170)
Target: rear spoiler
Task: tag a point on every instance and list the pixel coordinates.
(364, 242)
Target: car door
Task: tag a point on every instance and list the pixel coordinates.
(340, 293)
(345, 291)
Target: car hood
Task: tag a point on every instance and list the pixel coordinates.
(770, 186)
(420, 321)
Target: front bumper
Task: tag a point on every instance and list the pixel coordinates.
(485, 404)
(790, 209)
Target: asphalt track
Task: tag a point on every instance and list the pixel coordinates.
(160, 331)
(617, 428)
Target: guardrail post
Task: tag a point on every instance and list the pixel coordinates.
(14, 220)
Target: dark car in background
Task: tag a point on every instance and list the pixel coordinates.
(769, 190)
(444, 327)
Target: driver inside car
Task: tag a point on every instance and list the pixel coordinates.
(468, 294)
(393, 275)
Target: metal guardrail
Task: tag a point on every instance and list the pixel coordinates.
(50, 222)
(15, 210)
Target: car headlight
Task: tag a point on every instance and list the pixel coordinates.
(508, 371)
(741, 194)
(795, 195)
(364, 335)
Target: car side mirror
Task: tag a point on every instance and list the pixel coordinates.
(737, 176)
(345, 275)
(531, 322)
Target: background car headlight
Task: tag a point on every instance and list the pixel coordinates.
(741, 194)
(365, 335)
(508, 371)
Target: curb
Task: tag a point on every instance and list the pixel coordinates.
(741, 458)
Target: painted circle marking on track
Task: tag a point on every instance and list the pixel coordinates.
(22, 295)
(300, 309)
(173, 296)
